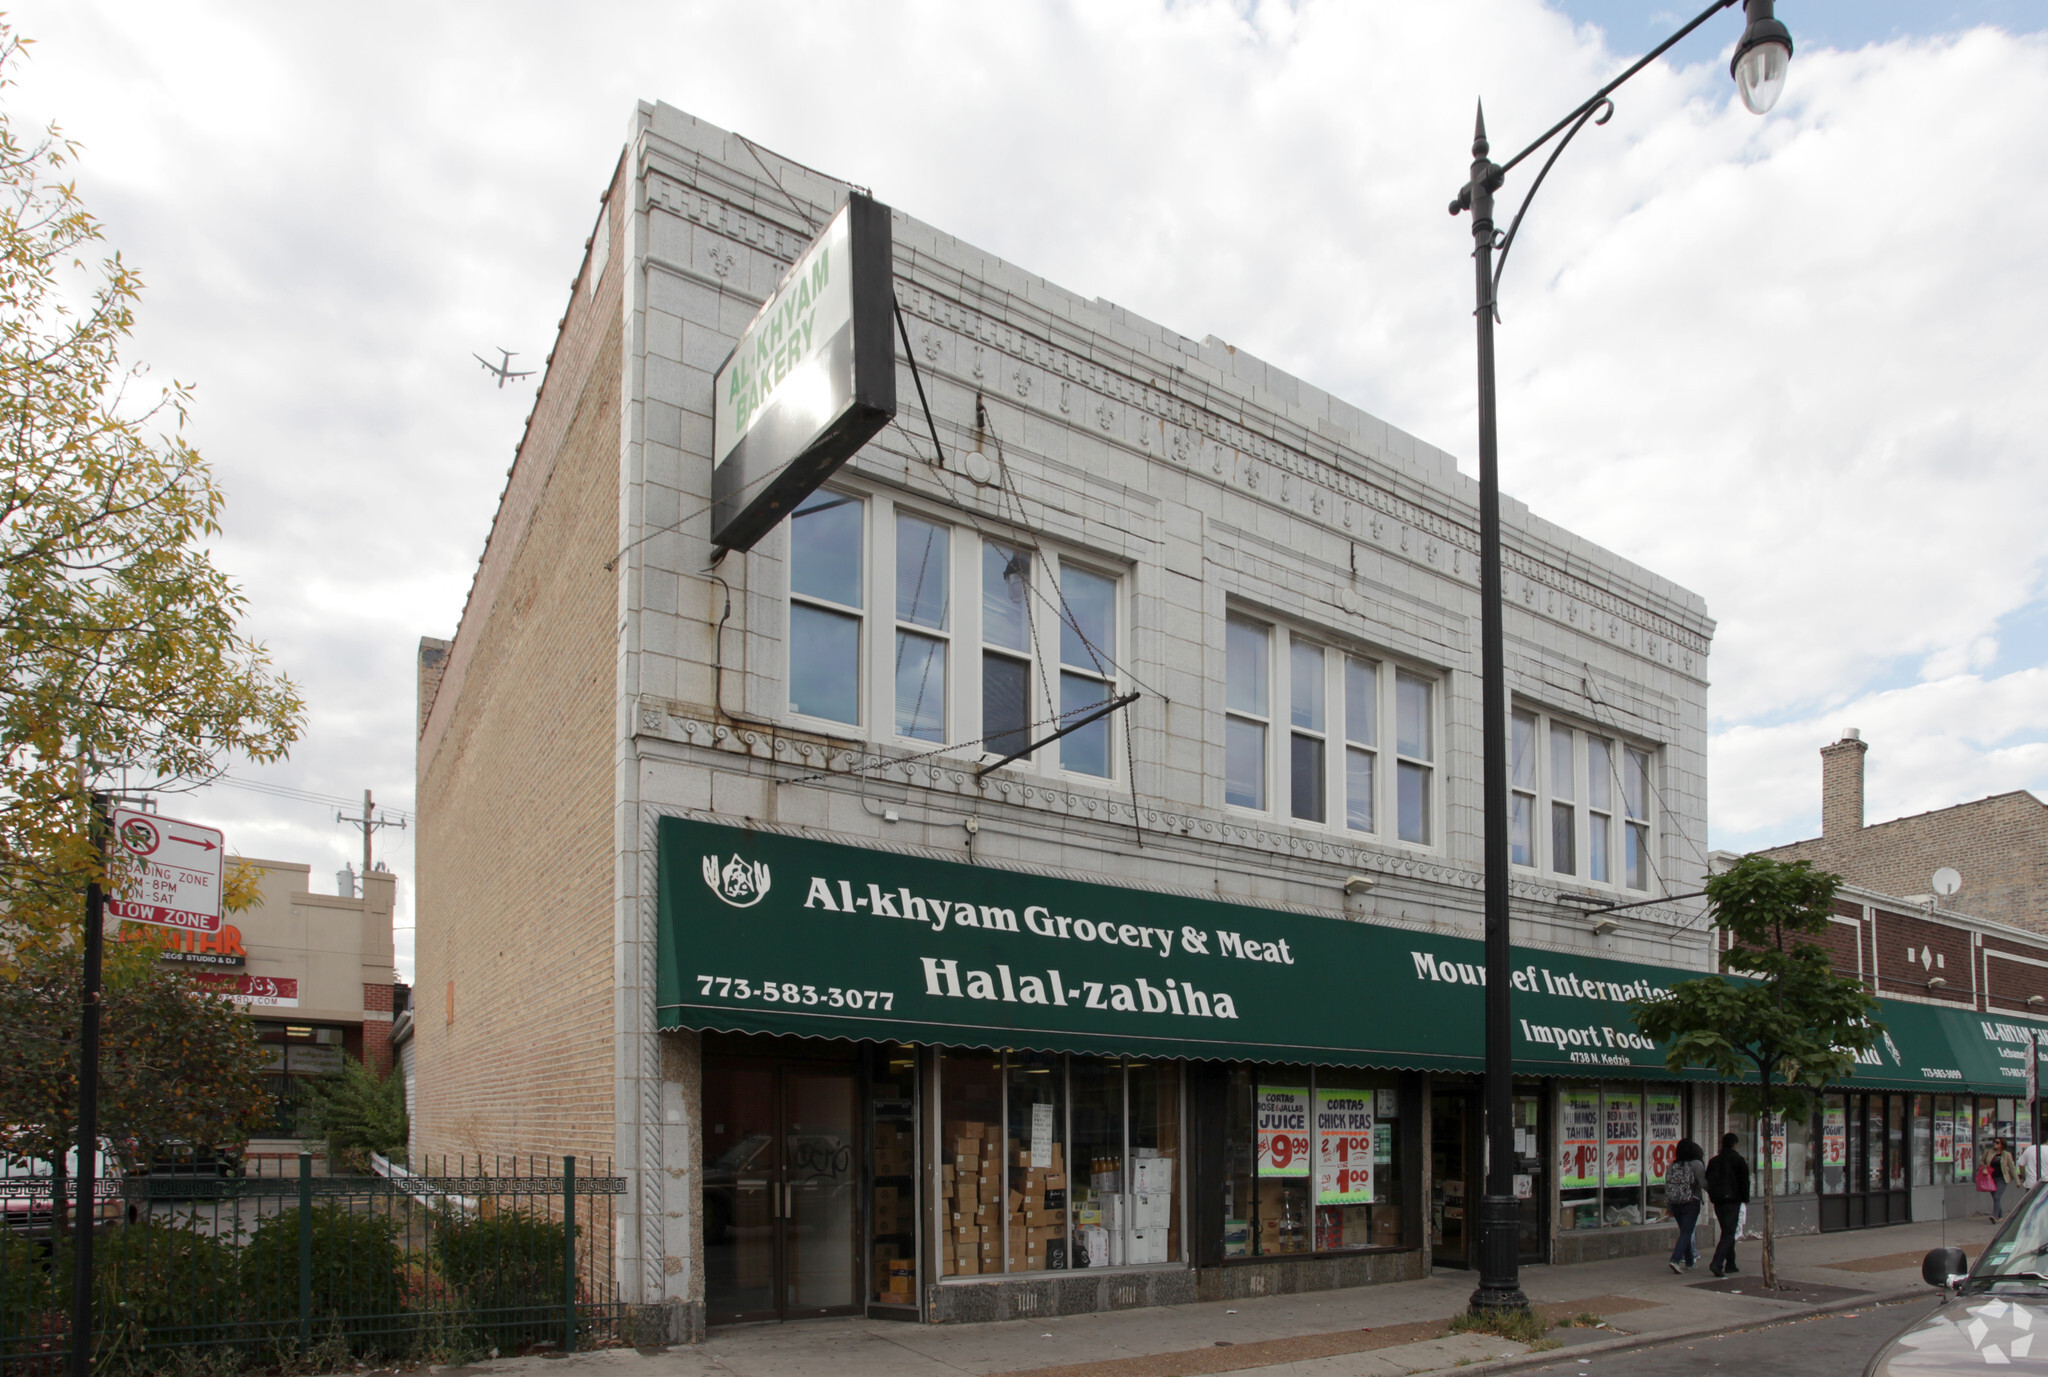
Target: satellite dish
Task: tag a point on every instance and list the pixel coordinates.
(1947, 881)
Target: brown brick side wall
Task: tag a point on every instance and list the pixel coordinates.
(1999, 845)
(516, 792)
(2009, 983)
(1899, 933)
(376, 1051)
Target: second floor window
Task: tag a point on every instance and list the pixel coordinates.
(1580, 802)
(923, 551)
(1322, 762)
(1087, 660)
(825, 606)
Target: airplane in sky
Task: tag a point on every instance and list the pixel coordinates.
(502, 370)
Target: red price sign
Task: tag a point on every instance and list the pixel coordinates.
(1660, 1158)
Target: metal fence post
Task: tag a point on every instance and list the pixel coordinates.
(305, 1252)
(569, 1254)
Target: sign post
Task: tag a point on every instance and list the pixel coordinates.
(88, 1104)
(173, 881)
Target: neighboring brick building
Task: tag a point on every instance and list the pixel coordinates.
(314, 970)
(1999, 845)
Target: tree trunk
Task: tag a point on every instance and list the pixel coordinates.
(1769, 1265)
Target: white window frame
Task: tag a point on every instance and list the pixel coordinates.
(1053, 562)
(863, 615)
(1586, 820)
(950, 714)
(965, 645)
(1336, 735)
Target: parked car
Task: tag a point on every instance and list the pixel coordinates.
(28, 1191)
(1995, 1313)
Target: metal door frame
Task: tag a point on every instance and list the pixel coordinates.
(784, 1071)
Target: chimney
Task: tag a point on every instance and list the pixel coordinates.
(1841, 787)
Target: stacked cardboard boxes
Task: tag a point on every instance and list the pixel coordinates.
(1037, 1204)
(970, 1201)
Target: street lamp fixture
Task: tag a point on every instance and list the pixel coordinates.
(1761, 58)
(1759, 71)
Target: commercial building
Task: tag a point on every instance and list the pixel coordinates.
(1042, 874)
(314, 971)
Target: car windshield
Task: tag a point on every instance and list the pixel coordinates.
(2018, 1253)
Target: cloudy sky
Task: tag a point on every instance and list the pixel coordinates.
(1791, 363)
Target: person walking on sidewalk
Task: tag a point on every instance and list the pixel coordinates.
(2001, 1171)
(1728, 1190)
(1684, 1180)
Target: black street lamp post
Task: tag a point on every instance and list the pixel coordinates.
(1759, 72)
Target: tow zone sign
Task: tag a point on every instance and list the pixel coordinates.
(175, 872)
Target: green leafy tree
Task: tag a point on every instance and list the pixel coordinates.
(177, 1064)
(357, 1112)
(121, 654)
(1791, 1025)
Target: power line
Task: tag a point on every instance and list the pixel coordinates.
(255, 786)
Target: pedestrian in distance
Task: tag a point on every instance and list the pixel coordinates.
(1728, 1191)
(1995, 1172)
(2033, 1164)
(1684, 1183)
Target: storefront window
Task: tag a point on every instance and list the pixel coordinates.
(1154, 1188)
(1944, 1154)
(892, 1139)
(1578, 1158)
(1051, 1162)
(1621, 1157)
(1310, 1161)
(1834, 1144)
(1283, 1148)
(1923, 1140)
(1895, 1142)
(1098, 1110)
(1987, 1128)
(1035, 1162)
(970, 1163)
(1664, 1121)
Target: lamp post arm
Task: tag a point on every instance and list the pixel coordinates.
(1605, 91)
(1598, 113)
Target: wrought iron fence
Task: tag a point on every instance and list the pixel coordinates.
(275, 1263)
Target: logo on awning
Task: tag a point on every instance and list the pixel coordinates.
(741, 883)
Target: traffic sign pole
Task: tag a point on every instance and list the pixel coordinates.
(88, 1103)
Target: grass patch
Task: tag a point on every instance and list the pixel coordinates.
(1584, 1320)
(1522, 1326)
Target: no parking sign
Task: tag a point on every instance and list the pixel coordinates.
(174, 872)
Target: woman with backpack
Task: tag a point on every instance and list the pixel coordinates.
(1684, 1183)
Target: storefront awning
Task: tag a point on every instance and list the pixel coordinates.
(764, 933)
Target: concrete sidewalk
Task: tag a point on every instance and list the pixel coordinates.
(1375, 1331)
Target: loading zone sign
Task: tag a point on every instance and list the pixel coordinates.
(173, 874)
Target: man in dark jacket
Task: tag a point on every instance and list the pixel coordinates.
(1728, 1189)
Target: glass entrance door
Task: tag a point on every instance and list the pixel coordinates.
(1453, 1189)
(781, 1170)
(1864, 1168)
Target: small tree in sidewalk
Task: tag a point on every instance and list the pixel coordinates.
(1786, 1029)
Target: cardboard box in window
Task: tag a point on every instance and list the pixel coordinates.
(1237, 1238)
(1056, 1254)
(1269, 1235)
(1146, 1245)
(967, 1266)
(1386, 1226)
(1152, 1173)
(966, 1128)
(1151, 1209)
(1056, 1196)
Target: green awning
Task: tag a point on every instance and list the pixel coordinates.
(765, 933)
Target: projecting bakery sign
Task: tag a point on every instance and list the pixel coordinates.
(812, 378)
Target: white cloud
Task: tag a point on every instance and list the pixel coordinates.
(1789, 363)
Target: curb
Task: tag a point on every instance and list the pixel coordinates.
(1625, 1343)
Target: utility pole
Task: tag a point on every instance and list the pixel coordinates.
(369, 822)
